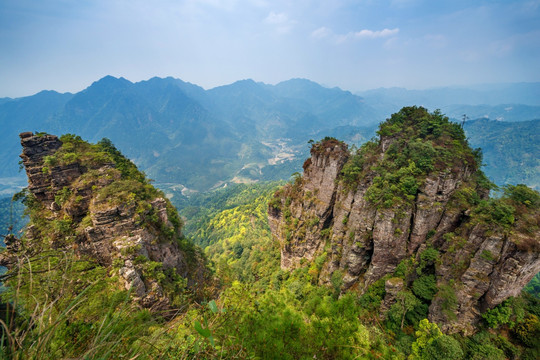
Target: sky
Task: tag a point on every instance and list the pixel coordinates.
(65, 45)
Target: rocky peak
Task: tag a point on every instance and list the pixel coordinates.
(415, 199)
(35, 148)
(90, 199)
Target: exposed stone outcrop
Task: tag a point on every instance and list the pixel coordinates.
(392, 287)
(482, 264)
(42, 184)
(114, 233)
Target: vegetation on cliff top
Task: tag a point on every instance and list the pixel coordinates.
(114, 178)
(416, 144)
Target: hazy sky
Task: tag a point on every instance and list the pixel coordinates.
(65, 45)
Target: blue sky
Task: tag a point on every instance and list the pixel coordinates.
(65, 45)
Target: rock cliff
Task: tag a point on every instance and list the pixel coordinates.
(90, 199)
(412, 204)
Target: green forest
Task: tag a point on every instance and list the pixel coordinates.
(59, 304)
(510, 150)
(329, 313)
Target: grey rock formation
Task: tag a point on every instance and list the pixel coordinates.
(480, 264)
(110, 233)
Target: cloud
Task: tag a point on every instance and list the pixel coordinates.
(322, 32)
(370, 34)
(281, 22)
(326, 33)
(276, 18)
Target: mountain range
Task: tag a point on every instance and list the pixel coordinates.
(190, 139)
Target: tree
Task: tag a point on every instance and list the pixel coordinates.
(406, 301)
(443, 348)
(427, 333)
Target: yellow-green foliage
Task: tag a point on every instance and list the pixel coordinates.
(427, 332)
(528, 331)
(273, 313)
(238, 238)
(278, 325)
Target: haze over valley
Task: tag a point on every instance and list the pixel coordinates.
(190, 139)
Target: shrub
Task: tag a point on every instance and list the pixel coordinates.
(425, 287)
(405, 302)
(496, 211)
(499, 315)
(353, 168)
(427, 259)
(483, 351)
(370, 301)
(62, 196)
(522, 194)
(337, 281)
(528, 331)
(448, 298)
(443, 348)
(481, 347)
(426, 334)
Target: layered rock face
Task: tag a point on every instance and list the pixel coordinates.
(103, 217)
(365, 235)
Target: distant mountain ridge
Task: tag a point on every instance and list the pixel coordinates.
(507, 102)
(483, 94)
(180, 133)
(189, 138)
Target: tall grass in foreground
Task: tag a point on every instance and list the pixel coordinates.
(61, 307)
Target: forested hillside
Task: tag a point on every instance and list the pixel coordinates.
(232, 226)
(511, 150)
(228, 228)
(257, 310)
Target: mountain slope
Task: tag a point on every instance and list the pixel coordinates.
(194, 139)
(180, 133)
(511, 150)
